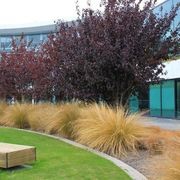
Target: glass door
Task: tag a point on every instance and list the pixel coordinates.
(155, 99)
(178, 99)
(168, 99)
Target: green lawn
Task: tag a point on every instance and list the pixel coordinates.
(57, 160)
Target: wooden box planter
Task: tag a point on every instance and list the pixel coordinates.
(12, 155)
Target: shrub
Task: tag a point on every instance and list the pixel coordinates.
(109, 130)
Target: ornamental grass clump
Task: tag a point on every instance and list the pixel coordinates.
(110, 130)
(157, 140)
(62, 122)
(175, 168)
(42, 116)
(174, 171)
(172, 164)
(3, 107)
(17, 116)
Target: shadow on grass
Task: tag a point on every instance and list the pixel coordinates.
(16, 168)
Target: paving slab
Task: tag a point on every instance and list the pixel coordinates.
(169, 124)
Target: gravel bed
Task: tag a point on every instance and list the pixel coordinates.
(146, 163)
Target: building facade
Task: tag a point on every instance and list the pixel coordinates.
(35, 34)
(165, 7)
(163, 98)
(39, 34)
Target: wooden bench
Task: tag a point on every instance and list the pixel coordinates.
(12, 155)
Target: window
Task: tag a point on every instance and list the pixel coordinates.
(5, 43)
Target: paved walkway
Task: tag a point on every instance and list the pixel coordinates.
(170, 124)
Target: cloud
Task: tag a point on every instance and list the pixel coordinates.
(16, 13)
(24, 13)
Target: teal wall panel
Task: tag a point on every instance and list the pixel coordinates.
(178, 99)
(168, 99)
(133, 104)
(155, 99)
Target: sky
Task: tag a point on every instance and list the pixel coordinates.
(26, 13)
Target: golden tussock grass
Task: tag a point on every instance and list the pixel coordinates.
(3, 107)
(107, 129)
(102, 127)
(172, 163)
(41, 117)
(55, 119)
(17, 116)
(174, 168)
(62, 122)
(157, 139)
(166, 144)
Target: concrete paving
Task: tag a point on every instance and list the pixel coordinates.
(170, 124)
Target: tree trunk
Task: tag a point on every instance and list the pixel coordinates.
(22, 98)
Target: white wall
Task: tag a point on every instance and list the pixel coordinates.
(172, 68)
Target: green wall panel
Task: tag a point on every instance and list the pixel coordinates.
(155, 100)
(168, 99)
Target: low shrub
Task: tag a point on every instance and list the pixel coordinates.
(109, 130)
